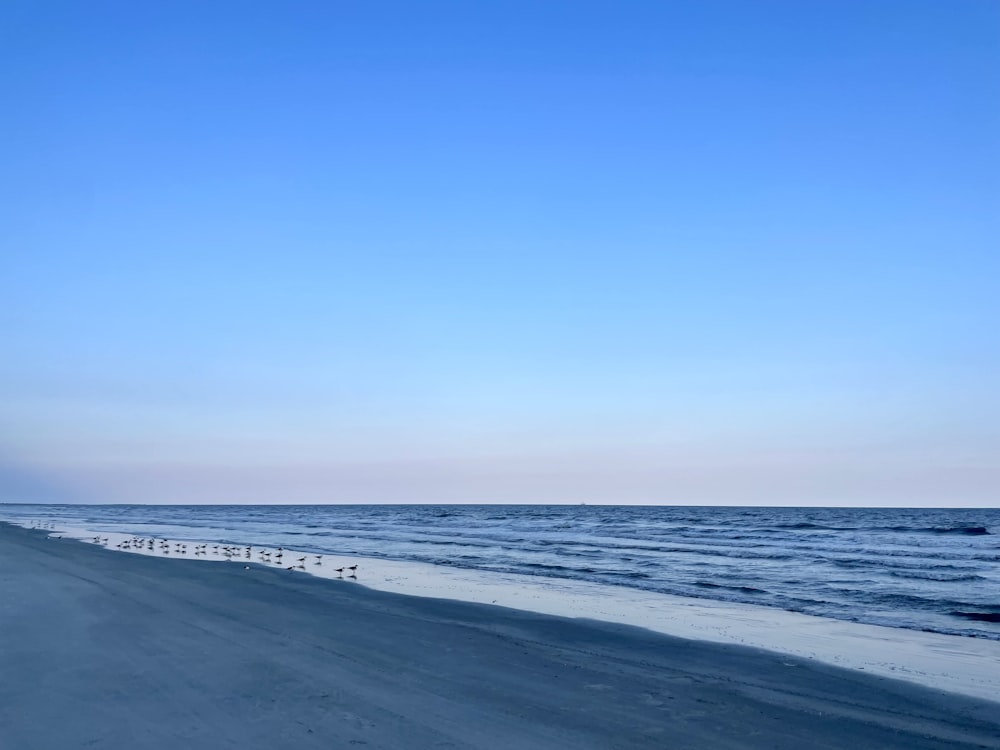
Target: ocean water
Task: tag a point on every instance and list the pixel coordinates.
(923, 569)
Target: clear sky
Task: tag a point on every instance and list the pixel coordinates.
(360, 251)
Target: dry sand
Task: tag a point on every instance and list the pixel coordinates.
(99, 649)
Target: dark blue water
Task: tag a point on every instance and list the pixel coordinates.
(924, 569)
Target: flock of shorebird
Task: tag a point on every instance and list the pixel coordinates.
(223, 551)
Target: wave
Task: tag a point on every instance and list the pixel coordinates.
(917, 602)
(931, 576)
(879, 563)
(978, 616)
(711, 551)
(803, 526)
(747, 589)
(968, 530)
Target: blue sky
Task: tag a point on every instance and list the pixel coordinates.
(713, 252)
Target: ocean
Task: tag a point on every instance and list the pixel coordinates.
(936, 570)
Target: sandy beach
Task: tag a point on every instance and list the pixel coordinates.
(956, 664)
(100, 649)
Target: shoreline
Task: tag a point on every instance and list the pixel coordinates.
(963, 665)
(108, 651)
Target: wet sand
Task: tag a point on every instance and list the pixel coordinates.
(100, 649)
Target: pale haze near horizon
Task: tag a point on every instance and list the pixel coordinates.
(696, 253)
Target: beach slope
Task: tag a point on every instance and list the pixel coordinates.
(99, 649)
